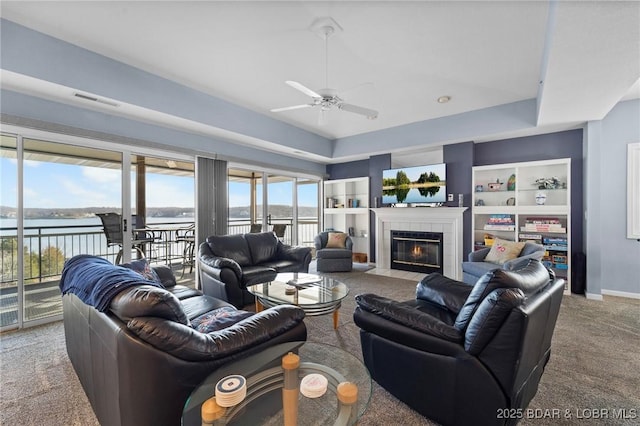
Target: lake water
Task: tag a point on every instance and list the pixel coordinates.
(59, 224)
(72, 236)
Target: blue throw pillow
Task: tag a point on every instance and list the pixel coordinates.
(218, 319)
(142, 267)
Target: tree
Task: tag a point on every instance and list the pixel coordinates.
(402, 179)
(52, 261)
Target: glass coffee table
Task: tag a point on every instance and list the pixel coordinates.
(272, 389)
(315, 294)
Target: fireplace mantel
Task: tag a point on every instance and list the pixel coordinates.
(447, 220)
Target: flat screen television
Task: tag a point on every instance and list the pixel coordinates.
(415, 185)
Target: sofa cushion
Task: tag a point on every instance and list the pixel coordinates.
(218, 319)
(257, 274)
(193, 307)
(283, 265)
(333, 253)
(231, 246)
(183, 292)
(186, 343)
(263, 246)
(503, 250)
(148, 301)
(142, 267)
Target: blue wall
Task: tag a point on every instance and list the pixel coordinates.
(461, 157)
(613, 261)
(544, 147)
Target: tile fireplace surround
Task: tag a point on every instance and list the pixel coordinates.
(447, 220)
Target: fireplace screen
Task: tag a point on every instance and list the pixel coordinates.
(416, 251)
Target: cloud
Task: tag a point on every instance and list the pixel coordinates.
(167, 192)
(31, 163)
(86, 195)
(239, 199)
(102, 175)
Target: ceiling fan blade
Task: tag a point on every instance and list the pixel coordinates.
(289, 108)
(369, 113)
(303, 89)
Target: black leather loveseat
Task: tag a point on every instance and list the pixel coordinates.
(229, 263)
(140, 357)
(462, 354)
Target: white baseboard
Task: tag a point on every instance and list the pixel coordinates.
(621, 294)
(594, 296)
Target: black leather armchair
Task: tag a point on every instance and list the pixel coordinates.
(458, 354)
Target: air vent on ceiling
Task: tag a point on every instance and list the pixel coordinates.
(94, 99)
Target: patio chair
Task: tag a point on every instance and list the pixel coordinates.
(112, 227)
(256, 228)
(187, 236)
(279, 229)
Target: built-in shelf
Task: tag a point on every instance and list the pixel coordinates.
(346, 209)
(526, 202)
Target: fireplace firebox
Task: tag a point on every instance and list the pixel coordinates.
(416, 251)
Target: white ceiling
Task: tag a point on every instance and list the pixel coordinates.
(480, 53)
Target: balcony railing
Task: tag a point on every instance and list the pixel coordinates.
(47, 247)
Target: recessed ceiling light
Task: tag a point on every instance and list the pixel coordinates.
(444, 99)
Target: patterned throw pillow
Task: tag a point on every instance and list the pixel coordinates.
(503, 250)
(218, 319)
(336, 240)
(142, 267)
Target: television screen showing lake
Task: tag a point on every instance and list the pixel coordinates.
(434, 194)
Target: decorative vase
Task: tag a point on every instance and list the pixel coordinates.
(541, 198)
(511, 183)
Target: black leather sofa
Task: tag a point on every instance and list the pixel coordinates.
(227, 264)
(461, 354)
(139, 360)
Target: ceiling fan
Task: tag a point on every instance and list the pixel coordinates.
(326, 99)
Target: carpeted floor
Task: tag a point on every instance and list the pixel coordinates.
(595, 365)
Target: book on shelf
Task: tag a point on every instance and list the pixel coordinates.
(530, 227)
(498, 227)
(533, 238)
(551, 241)
(500, 218)
(543, 220)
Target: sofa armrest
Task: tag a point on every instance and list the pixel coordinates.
(478, 255)
(442, 291)
(219, 263)
(186, 343)
(348, 243)
(407, 316)
(518, 262)
(299, 254)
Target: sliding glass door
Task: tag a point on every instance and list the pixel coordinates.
(52, 195)
(10, 294)
(289, 204)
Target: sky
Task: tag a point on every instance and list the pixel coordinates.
(54, 185)
(413, 173)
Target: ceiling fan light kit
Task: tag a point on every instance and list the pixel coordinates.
(327, 98)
